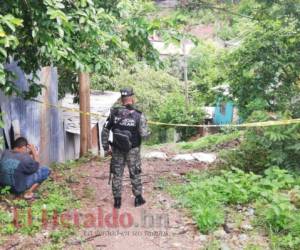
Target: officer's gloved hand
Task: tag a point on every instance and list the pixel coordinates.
(108, 152)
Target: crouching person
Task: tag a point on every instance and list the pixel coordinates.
(20, 169)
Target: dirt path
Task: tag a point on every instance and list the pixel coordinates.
(156, 225)
(159, 224)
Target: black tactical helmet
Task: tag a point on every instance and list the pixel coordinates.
(126, 92)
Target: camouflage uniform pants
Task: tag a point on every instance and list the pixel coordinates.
(118, 162)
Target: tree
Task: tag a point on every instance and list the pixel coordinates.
(8, 40)
(206, 71)
(264, 71)
(151, 86)
(80, 36)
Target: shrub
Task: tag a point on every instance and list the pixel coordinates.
(151, 86)
(206, 196)
(210, 142)
(264, 147)
(174, 110)
(153, 90)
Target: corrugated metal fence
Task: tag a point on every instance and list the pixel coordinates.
(41, 125)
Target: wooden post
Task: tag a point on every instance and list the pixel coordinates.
(45, 116)
(85, 119)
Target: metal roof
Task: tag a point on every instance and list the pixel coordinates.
(209, 112)
(101, 103)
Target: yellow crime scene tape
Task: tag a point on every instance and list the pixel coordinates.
(242, 125)
(70, 109)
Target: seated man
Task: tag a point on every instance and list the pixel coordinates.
(20, 169)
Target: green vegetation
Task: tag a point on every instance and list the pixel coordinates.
(205, 70)
(82, 36)
(263, 71)
(174, 110)
(160, 96)
(210, 142)
(55, 197)
(274, 196)
(264, 147)
(72, 164)
(152, 87)
(254, 49)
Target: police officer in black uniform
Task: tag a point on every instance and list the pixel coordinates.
(129, 127)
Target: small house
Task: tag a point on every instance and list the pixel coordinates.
(101, 103)
(225, 111)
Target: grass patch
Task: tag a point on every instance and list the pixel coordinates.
(56, 197)
(71, 164)
(274, 197)
(210, 142)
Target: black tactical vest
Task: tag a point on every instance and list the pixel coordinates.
(128, 118)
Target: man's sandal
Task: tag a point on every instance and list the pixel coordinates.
(31, 197)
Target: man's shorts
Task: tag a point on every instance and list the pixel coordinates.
(38, 177)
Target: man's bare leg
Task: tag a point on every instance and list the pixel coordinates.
(29, 193)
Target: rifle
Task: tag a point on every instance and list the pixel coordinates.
(110, 173)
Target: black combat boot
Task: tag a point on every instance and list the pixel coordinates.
(117, 203)
(139, 201)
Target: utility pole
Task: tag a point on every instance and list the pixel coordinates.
(85, 119)
(185, 73)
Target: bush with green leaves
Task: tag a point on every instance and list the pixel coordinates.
(206, 195)
(175, 110)
(205, 70)
(264, 69)
(210, 142)
(263, 147)
(161, 97)
(277, 211)
(151, 86)
(78, 36)
(272, 195)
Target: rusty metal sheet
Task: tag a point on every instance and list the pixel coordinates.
(39, 124)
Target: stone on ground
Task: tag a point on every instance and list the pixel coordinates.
(156, 155)
(201, 157)
(183, 157)
(205, 157)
